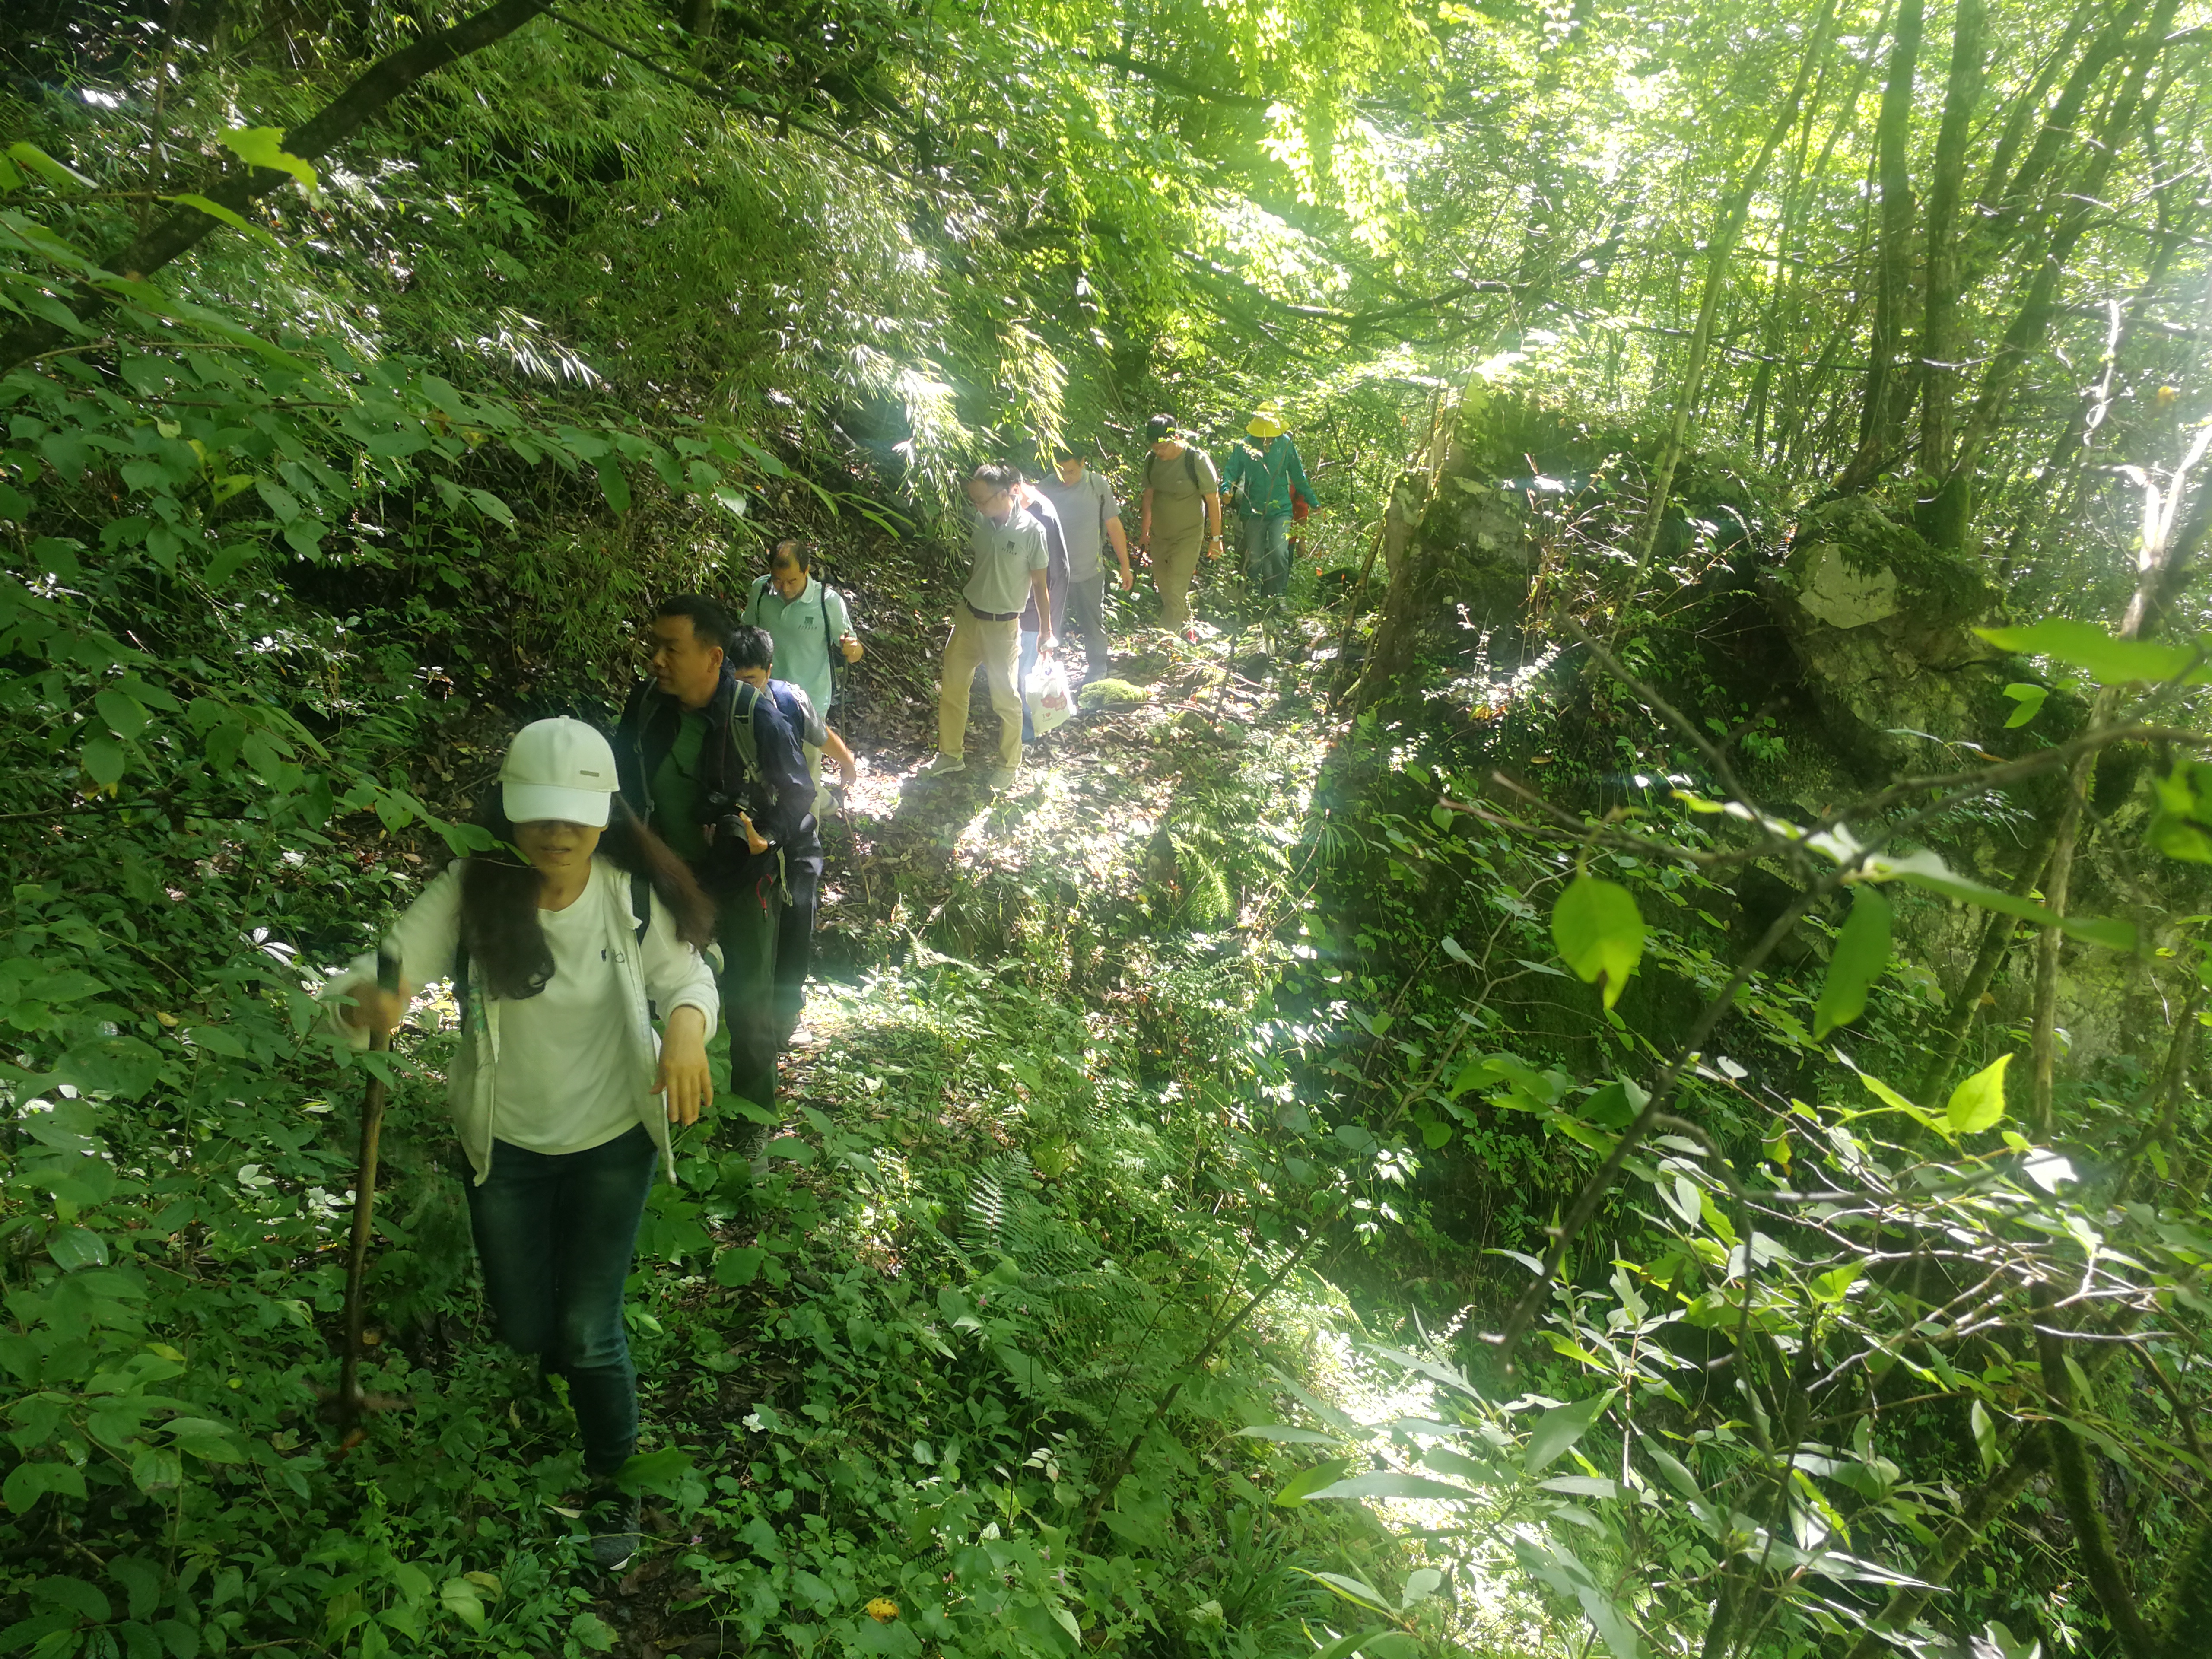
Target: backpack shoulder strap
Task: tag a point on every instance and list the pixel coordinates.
(640, 904)
(741, 728)
(1190, 466)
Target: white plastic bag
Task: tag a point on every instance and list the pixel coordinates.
(1046, 692)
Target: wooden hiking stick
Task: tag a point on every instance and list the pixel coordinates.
(859, 863)
(364, 1203)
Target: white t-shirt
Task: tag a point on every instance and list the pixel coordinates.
(564, 1083)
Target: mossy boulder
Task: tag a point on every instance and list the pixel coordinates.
(1112, 694)
(1881, 623)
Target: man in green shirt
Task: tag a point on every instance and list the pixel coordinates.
(1008, 558)
(713, 769)
(1263, 471)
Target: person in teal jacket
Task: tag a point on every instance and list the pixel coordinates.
(1263, 471)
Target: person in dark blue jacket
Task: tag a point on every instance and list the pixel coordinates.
(752, 658)
(714, 769)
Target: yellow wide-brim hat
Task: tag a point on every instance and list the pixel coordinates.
(1267, 423)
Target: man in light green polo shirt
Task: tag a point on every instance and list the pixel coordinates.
(808, 620)
(1007, 560)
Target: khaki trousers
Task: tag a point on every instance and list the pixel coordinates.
(997, 646)
(1174, 561)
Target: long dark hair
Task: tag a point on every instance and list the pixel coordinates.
(499, 898)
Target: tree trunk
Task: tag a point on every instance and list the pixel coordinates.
(2100, 1563)
(178, 233)
(1727, 229)
(1996, 939)
(1882, 413)
(1939, 333)
(2039, 304)
(1992, 1499)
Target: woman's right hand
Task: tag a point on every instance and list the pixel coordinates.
(377, 1012)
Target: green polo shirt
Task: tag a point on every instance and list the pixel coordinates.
(1002, 556)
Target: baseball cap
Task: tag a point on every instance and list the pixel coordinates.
(559, 770)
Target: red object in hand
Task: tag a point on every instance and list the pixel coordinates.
(1300, 507)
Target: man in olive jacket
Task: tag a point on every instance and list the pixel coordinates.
(712, 767)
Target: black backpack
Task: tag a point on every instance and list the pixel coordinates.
(640, 910)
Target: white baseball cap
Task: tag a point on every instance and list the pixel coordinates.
(558, 769)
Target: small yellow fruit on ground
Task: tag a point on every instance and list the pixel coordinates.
(883, 1611)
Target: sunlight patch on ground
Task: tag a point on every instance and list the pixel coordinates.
(1493, 1610)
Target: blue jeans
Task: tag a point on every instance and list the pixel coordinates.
(556, 1235)
(1267, 553)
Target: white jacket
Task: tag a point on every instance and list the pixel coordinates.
(661, 966)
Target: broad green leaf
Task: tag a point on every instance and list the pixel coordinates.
(654, 1471)
(221, 215)
(1616, 1105)
(1606, 1613)
(2107, 660)
(1557, 1429)
(125, 716)
(1392, 1484)
(1985, 1435)
(1582, 1485)
(1678, 1473)
(1927, 870)
(103, 759)
(205, 1439)
(465, 1602)
(492, 507)
(1862, 950)
(613, 485)
(1300, 1485)
(76, 1248)
(1381, 1642)
(1421, 1584)
(1979, 1103)
(27, 1482)
(1889, 1098)
(2098, 653)
(1836, 1283)
(1350, 1588)
(2030, 699)
(263, 146)
(739, 1267)
(2183, 828)
(35, 160)
(1599, 933)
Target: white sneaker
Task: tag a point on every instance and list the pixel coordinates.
(943, 767)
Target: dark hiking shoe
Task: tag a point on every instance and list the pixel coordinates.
(612, 1518)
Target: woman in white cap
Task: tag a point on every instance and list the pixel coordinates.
(560, 1093)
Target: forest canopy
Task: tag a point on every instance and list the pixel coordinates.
(1619, 1075)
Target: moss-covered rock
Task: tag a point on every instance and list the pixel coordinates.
(1880, 622)
(1112, 694)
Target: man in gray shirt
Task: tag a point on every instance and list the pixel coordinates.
(1089, 518)
(1007, 561)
